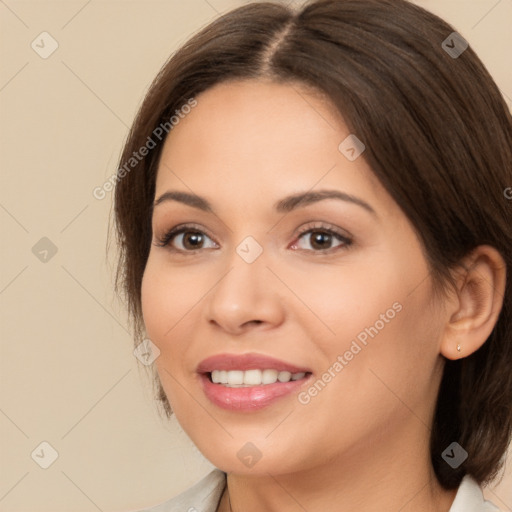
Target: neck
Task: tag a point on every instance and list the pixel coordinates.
(394, 476)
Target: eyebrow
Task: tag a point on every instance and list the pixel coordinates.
(284, 205)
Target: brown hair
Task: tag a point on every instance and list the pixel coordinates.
(438, 137)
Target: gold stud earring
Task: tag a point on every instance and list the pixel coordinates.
(458, 347)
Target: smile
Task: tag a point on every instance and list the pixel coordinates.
(249, 382)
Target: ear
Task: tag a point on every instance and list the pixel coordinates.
(475, 307)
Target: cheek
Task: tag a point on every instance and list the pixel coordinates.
(349, 298)
(167, 306)
(387, 368)
(380, 315)
(411, 349)
(168, 294)
(166, 298)
(396, 340)
(154, 303)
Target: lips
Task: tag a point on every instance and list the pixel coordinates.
(249, 382)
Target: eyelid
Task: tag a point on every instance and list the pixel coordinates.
(319, 225)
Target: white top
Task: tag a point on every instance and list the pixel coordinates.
(205, 495)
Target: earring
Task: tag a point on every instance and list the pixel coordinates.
(458, 347)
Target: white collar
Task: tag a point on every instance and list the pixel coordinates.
(469, 498)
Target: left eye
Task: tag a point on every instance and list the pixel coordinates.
(320, 240)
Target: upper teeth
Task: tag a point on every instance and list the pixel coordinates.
(236, 378)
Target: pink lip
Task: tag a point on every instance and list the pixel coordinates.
(251, 398)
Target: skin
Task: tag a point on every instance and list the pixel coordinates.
(362, 442)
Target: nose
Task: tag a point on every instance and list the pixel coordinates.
(246, 297)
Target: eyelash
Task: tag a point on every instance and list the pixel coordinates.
(322, 228)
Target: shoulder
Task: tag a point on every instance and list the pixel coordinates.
(469, 498)
(204, 496)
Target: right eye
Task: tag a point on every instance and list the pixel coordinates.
(185, 239)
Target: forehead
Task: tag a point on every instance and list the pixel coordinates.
(258, 139)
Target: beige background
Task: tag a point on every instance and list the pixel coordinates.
(68, 375)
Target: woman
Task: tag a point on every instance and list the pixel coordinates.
(315, 236)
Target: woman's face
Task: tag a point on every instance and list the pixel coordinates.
(332, 291)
